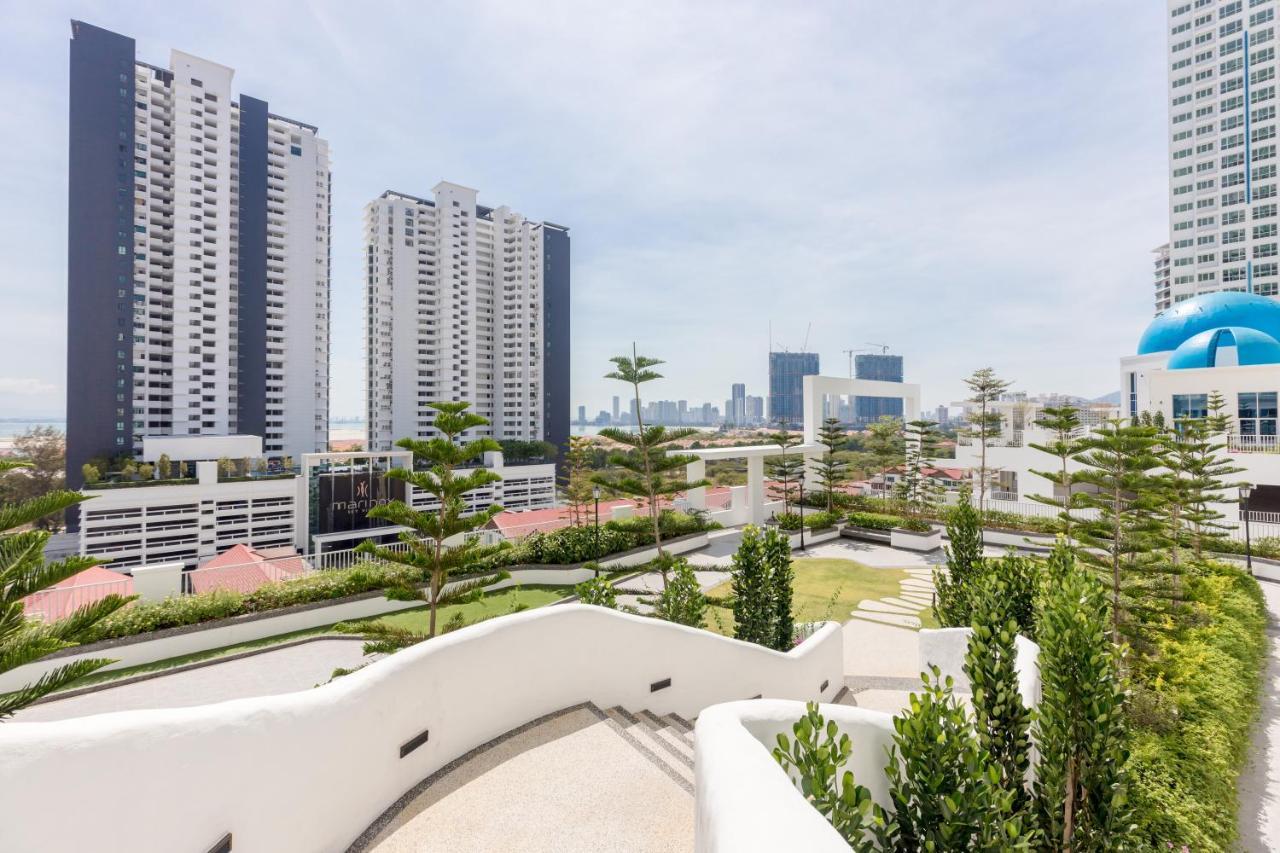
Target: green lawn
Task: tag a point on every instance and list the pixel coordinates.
(491, 604)
(827, 588)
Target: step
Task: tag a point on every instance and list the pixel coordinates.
(887, 618)
(912, 604)
(882, 606)
(674, 738)
(656, 750)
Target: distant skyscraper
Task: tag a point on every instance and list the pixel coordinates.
(198, 258)
(1160, 270)
(755, 410)
(885, 368)
(738, 413)
(942, 415)
(465, 302)
(582, 414)
(786, 384)
(1222, 144)
(617, 410)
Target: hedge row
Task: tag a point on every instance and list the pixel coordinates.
(1191, 724)
(143, 617)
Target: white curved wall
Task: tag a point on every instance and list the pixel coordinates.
(744, 801)
(308, 771)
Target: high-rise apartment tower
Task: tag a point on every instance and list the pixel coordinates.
(198, 259)
(1222, 150)
(465, 302)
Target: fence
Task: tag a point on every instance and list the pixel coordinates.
(60, 602)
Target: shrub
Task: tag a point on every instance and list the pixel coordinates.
(915, 525)
(941, 780)
(597, 591)
(813, 761)
(682, 600)
(821, 520)
(1080, 724)
(143, 617)
(964, 565)
(788, 521)
(571, 545)
(873, 520)
(753, 611)
(671, 522)
(1190, 728)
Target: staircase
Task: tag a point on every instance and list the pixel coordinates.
(580, 779)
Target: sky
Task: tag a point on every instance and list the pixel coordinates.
(972, 184)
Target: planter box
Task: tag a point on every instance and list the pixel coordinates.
(909, 540)
(1017, 538)
(866, 534)
(822, 534)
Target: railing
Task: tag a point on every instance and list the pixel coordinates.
(1013, 439)
(1252, 444)
(60, 602)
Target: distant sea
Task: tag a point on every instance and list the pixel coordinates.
(13, 427)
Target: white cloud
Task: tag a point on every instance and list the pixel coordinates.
(26, 386)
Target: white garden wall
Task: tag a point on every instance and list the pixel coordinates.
(745, 803)
(308, 771)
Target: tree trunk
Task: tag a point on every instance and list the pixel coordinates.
(1115, 569)
(1069, 806)
(648, 476)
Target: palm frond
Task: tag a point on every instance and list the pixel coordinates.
(25, 512)
(72, 628)
(31, 576)
(47, 683)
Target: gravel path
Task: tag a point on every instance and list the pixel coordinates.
(1259, 788)
(299, 667)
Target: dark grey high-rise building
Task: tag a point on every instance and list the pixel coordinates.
(197, 258)
(787, 371)
(885, 368)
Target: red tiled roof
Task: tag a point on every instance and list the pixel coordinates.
(244, 569)
(518, 523)
(70, 594)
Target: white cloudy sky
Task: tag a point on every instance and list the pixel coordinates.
(973, 183)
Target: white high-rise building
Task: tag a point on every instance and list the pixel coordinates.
(1222, 132)
(464, 302)
(202, 308)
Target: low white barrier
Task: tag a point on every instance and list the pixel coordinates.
(945, 648)
(309, 771)
(745, 803)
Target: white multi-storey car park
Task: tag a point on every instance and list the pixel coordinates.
(321, 507)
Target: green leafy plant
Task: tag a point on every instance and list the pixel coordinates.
(943, 784)
(822, 520)
(965, 564)
(789, 521)
(1082, 788)
(814, 760)
(597, 591)
(753, 608)
(829, 469)
(874, 520)
(681, 600)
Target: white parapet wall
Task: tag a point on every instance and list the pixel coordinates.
(746, 803)
(309, 771)
(743, 800)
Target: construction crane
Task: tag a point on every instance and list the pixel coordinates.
(884, 348)
(850, 353)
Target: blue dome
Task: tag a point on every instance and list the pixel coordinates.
(1252, 347)
(1205, 313)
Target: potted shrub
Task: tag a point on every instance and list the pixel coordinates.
(914, 534)
(874, 526)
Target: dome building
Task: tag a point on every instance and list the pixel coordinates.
(1226, 343)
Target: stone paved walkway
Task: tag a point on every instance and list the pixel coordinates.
(266, 674)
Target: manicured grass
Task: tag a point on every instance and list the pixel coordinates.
(828, 588)
(491, 604)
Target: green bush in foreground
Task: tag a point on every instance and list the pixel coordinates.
(1191, 720)
(597, 591)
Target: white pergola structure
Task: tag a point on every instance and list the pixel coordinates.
(816, 391)
(818, 388)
